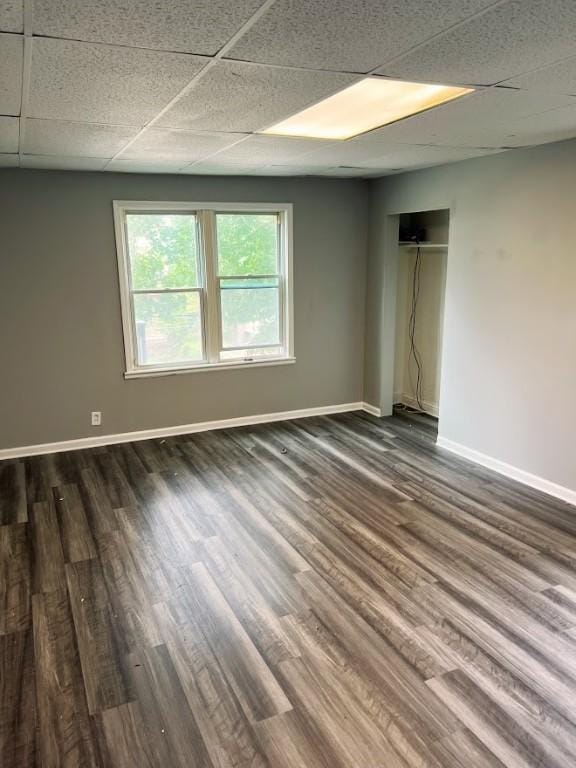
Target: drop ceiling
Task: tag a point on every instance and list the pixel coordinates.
(184, 87)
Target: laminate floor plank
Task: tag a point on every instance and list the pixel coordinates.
(136, 578)
(462, 749)
(76, 534)
(501, 734)
(400, 680)
(293, 740)
(37, 486)
(98, 645)
(175, 738)
(17, 701)
(12, 493)
(540, 719)
(67, 736)
(127, 739)
(519, 525)
(97, 504)
(229, 736)
(15, 578)
(47, 553)
(330, 592)
(252, 680)
(257, 617)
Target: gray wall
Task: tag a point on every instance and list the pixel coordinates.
(509, 345)
(60, 326)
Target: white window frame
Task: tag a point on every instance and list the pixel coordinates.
(209, 290)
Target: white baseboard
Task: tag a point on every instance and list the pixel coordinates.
(427, 405)
(182, 429)
(371, 409)
(520, 475)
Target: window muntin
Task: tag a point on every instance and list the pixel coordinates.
(204, 285)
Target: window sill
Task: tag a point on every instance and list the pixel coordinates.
(204, 367)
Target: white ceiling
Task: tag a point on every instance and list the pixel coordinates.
(181, 87)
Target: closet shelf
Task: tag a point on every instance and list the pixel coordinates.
(423, 246)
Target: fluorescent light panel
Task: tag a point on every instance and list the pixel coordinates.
(368, 104)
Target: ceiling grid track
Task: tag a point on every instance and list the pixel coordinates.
(26, 74)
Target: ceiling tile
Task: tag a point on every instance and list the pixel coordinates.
(9, 134)
(95, 83)
(181, 146)
(347, 36)
(349, 172)
(209, 168)
(51, 162)
(9, 161)
(199, 27)
(507, 40)
(289, 170)
(269, 149)
(144, 166)
(11, 15)
(339, 153)
(554, 125)
(11, 57)
(235, 96)
(479, 120)
(555, 78)
(404, 156)
(55, 137)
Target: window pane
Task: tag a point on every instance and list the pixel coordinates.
(168, 328)
(163, 250)
(250, 312)
(247, 243)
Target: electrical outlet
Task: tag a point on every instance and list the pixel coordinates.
(96, 418)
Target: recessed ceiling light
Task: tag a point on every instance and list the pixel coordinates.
(368, 104)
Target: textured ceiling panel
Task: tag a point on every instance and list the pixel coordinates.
(288, 170)
(343, 172)
(269, 149)
(348, 153)
(210, 168)
(501, 43)
(9, 134)
(202, 26)
(144, 166)
(403, 156)
(248, 97)
(555, 78)
(480, 120)
(347, 36)
(11, 15)
(555, 125)
(182, 146)
(94, 83)
(11, 56)
(54, 137)
(9, 161)
(51, 162)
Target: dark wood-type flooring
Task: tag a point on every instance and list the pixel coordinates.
(331, 592)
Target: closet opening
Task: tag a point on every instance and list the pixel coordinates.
(422, 261)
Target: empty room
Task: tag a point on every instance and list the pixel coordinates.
(287, 362)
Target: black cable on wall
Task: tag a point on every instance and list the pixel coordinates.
(414, 353)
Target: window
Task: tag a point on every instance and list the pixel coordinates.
(204, 285)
